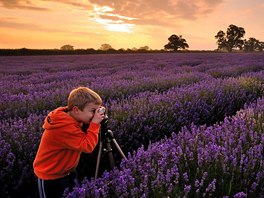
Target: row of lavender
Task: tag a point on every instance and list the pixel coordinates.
(32, 89)
(42, 97)
(223, 160)
(27, 65)
(148, 116)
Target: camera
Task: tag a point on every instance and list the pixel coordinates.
(105, 120)
(102, 110)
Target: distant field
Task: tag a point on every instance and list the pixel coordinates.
(191, 124)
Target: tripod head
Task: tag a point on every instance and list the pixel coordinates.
(104, 123)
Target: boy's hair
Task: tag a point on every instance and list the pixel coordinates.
(81, 96)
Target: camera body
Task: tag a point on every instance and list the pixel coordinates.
(105, 120)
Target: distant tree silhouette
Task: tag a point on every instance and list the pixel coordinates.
(231, 39)
(175, 43)
(144, 48)
(261, 46)
(105, 47)
(251, 45)
(67, 47)
(221, 39)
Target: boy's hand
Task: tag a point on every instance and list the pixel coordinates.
(98, 116)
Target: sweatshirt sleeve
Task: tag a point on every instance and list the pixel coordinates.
(91, 138)
(78, 140)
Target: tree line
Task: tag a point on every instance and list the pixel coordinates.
(228, 41)
(26, 52)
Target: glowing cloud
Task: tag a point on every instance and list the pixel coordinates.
(112, 22)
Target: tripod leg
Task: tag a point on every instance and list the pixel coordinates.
(110, 154)
(98, 160)
(118, 148)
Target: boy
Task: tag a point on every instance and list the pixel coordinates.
(63, 141)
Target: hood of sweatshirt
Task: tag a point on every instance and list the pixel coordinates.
(59, 118)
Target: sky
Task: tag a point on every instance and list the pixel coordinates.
(50, 24)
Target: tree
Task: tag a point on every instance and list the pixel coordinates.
(175, 43)
(144, 48)
(67, 47)
(251, 45)
(105, 47)
(221, 40)
(231, 39)
(261, 46)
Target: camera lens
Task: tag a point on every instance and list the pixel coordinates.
(102, 110)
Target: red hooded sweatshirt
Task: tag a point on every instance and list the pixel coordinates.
(61, 145)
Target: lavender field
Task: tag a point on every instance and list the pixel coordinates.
(191, 124)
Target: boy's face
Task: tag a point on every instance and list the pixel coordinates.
(87, 113)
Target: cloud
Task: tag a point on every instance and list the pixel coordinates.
(80, 4)
(159, 12)
(131, 12)
(111, 21)
(15, 23)
(32, 4)
(21, 4)
(154, 13)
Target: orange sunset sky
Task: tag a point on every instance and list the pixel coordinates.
(49, 24)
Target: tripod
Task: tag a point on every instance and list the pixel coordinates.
(108, 137)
